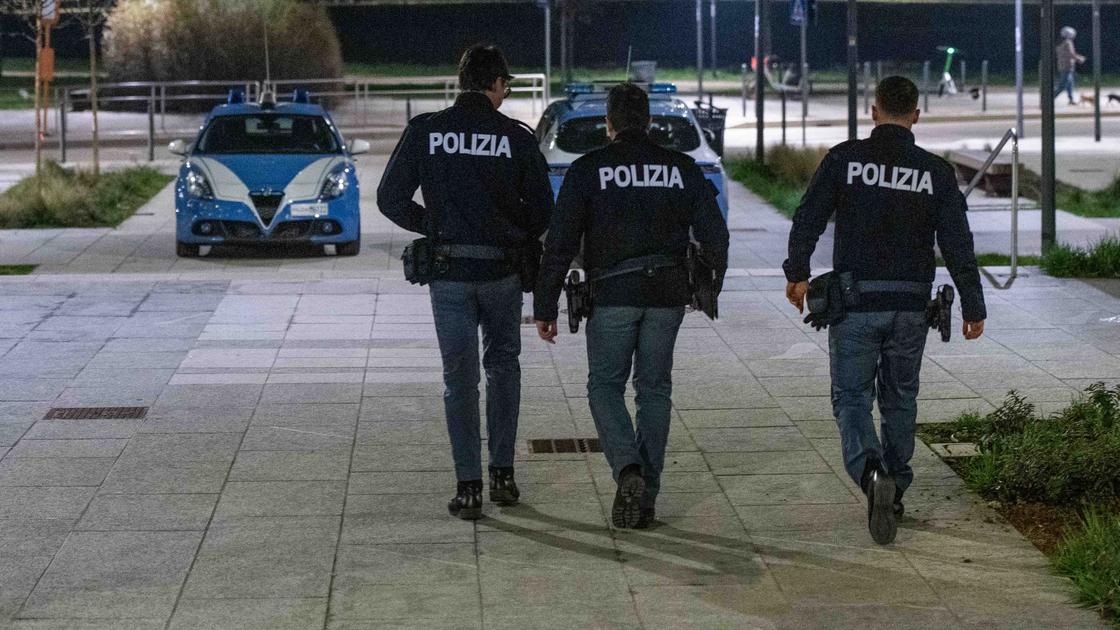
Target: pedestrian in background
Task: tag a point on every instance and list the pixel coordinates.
(1067, 65)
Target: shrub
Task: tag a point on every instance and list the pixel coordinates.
(782, 180)
(1100, 261)
(168, 40)
(67, 198)
(1065, 459)
(1091, 558)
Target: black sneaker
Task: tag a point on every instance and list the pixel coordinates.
(880, 491)
(626, 512)
(467, 503)
(647, 518)
(503, 490)
(899, 508)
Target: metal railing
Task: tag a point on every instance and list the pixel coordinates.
(1011, 135)
(349, 98)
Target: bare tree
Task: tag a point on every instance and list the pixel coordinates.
(29, 11)
(91, 14)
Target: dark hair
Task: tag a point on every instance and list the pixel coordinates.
(628, 107)
(480, 66)
(896, 96)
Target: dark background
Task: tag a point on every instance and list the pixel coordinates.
(664, 30)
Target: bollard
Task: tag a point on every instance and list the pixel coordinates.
(866, 87)
(407, 109)
(783, 92)
(984, 85)
(744, 68)
(62, 102)
(925, 86)
(964, 74)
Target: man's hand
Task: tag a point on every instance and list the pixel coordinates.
(973, 330)
(547, 330)
(795, 293)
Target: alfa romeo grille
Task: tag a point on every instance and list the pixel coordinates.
(267, 205)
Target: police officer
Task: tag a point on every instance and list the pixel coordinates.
(891, 200)
(488, 201)
(632, 204)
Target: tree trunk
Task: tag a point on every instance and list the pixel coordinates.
(38, 102)
(93, 102)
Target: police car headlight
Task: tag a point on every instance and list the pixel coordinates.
(335, 184)
(197, 185)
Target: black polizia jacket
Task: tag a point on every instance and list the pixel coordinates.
(892, 201)
(629, 199)
(483, 179)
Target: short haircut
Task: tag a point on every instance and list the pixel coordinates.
(628, 107)
(896, 96)
(480, 66)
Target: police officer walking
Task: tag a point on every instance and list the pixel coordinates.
(632, 204)
(891, 200)
(488, 201)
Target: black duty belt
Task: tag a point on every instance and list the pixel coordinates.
(477, 252)
(895, 286)
(647, 265)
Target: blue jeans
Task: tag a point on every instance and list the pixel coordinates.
(619, 337)
(1068, 84)
(459, 309)
(877, 355)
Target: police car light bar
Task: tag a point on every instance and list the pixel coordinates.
(301, 95)
(662, 88)
(601, 87)
(236, 97)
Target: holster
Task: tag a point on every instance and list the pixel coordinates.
(939, 313)
(529, 264)
(418, 263)
(704, 283)
(578, 291)
(828, 300)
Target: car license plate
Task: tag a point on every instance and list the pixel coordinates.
(309, 209)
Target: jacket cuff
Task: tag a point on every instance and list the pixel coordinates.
(543, 314)
(794, 275)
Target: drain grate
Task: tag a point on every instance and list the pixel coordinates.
(96, 413)
(565, 445)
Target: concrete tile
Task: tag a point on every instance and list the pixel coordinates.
(114, 575)
(127, 512)
(83, 429)
(728, 418)
(280, 498)
(210, 395)
(432, 605)
(55, 471)
(766, 462)
(44, 502)
(16, 390)
(785, 489)
(749, 439)
(290, 466)
(304, 393)
(68, 448)
(249, 614)
(265, 557)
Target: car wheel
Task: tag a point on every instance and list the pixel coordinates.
(348, 249)
(186, 250)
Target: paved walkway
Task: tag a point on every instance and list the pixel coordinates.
(293, 467)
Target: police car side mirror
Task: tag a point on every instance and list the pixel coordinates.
(359, 147)
(177, 147)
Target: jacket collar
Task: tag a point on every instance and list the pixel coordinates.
(474, 100)
(893, 132)
(632, 135)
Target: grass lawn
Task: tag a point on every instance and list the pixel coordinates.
(16, 270)
(69, 198)
(1057, 479)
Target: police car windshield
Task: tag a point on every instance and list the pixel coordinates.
(268, 133)
(580, 135)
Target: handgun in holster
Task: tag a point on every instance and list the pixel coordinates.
(578, 291)
(704, 283)
(939, 313)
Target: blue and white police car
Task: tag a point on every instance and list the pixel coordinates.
(267, 172)
(577, 125)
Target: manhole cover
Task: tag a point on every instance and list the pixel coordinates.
(96, 413)
(565, 445)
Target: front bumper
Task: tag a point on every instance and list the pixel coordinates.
(214, 222)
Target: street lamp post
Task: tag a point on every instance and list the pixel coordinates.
(853, 69)
(1019, 69)
(759, 81)
(1097, 70)
(700, 48)
(1046, 94)
(712, 34)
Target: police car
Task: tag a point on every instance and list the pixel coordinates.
(267, 172)
(577, 125)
